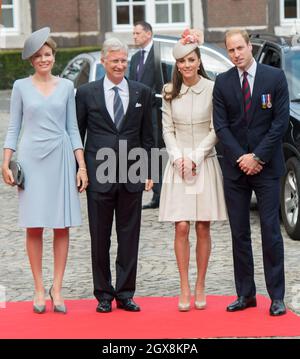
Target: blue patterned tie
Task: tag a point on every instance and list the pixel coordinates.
(140, 66)
(118, 107)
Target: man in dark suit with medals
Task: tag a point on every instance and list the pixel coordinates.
(251, 116)
(114, 114)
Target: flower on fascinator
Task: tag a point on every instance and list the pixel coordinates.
(191, 36)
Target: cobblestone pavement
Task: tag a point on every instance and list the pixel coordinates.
(157, 271)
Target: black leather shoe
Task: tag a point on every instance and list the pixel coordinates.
(104, 306)
(277, 307)
(128, 304)
(241, 303)
(152, 204)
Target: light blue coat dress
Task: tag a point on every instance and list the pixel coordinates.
(46, 153)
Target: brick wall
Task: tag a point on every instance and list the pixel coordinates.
(69, 16)
(225, 13)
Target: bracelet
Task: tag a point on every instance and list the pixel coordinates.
(82, 169)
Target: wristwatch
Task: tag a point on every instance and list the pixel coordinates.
(256, 158)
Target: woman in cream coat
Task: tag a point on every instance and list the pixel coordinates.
(192, 187)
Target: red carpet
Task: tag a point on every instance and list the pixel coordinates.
(159, 319)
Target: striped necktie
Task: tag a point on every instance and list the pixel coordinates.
(246, 95)
(118, 107)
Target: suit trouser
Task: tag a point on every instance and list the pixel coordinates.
(157, 134)
(127, 209)
(238, 196)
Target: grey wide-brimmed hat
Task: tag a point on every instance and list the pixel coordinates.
(34, 42)
(180, 50)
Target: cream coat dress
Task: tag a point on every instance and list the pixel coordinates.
(188, 132)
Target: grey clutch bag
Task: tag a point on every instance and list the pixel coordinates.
(17, 173)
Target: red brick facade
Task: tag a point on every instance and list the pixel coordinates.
(64, 16)
(73, 17)
(228, 13)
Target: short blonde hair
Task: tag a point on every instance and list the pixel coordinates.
(52, 44)
(233, 32)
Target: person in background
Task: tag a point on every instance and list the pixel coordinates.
(143, 69)
(251, 116)
(44, 106)
(192, 187)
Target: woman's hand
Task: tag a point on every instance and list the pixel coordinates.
(189, 169)
(179, 165)
(82, 179)
(7, 176)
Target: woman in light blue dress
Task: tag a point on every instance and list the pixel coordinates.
(43, 106)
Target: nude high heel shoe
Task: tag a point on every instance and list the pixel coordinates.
(60, 308)
(200, 300)
(184, 306)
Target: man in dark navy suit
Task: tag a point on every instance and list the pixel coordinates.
(144, 69)
(115, 116)
(251, 115)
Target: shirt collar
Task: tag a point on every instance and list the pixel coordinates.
(148, 47)
(108, 85)
(251, 71)
(197, 88)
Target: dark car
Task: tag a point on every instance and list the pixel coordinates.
(284, 53)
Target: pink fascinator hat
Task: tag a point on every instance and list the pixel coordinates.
(190, 40)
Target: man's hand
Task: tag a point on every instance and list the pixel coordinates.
(148, 185)
(249, 165)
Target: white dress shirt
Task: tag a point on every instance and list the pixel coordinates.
(109, 95)
(147, 49)
(251, 75)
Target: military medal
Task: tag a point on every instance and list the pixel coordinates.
(263, 102)
(269, 103)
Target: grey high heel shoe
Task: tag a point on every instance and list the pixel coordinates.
(60, 308)
(39, 308)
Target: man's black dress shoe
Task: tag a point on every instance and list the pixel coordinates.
(128, 304)
(277, 307)
(154, 203)
(241, 303)
(104, 306)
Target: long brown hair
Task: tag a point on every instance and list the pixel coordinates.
(177, 79)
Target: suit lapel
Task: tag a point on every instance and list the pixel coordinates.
(257, 91)
(100, 101)
(238, 89)
(148, 61)
(133, 97)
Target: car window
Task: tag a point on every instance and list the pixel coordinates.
(271, 57)
(292, 72)
(213, 62)
(84, 74)
(256, 50)
(72, 71)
